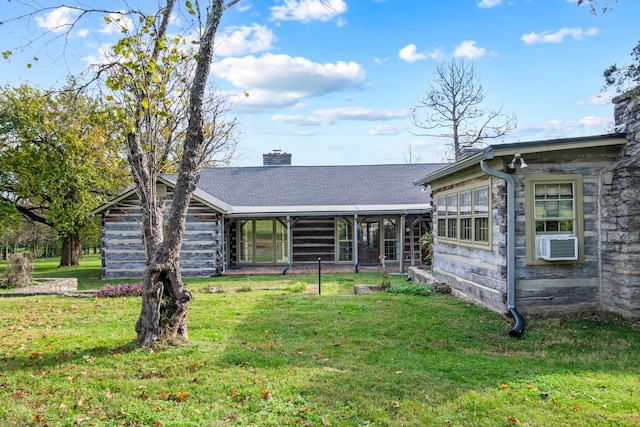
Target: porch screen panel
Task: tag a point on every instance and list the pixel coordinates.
(344, 239)
(390, 239)
(246, 241)
(264, 240)
(281, 241)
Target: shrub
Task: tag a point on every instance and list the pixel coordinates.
(121, 290)
(297, 287)
(19, 271)
(386, 281)
(411, 288)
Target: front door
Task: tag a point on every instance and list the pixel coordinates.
(369, 242)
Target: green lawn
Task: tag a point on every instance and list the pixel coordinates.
(283, 358)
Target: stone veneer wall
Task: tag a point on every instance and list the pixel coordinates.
(620, 218)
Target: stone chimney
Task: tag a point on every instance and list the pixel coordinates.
(620, 212)
(276, 158)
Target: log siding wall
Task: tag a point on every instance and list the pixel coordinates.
(479, 274)
(123, 255)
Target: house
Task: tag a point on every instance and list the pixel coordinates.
(281, 216)
(544, 227)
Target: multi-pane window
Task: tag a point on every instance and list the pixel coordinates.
(464, 215)
(262, 241)
(452, 213)
(554, 208)
(344, 240)
(466, 226)
(481, 214)
(390, 239)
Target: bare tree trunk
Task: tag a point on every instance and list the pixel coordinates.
(71, 251)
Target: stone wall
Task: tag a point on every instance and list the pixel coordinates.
(620, 213)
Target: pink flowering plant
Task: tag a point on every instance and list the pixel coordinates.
(120, 290)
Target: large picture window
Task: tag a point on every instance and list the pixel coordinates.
(553, 208)
(262, 241)
(463, 215)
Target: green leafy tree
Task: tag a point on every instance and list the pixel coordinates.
(58, 160)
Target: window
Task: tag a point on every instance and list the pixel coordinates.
(262, 241)
(344, 240)
(463, 215)
(390, 239)
(553, 207)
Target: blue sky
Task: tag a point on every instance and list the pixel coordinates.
(335, 85)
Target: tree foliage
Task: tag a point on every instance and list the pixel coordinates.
(451, 107)
(58, 160)
(160, 82)
(621, 77)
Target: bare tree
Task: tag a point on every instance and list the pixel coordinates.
(451, 108)
(410, 157)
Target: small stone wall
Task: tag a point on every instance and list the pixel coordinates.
(46, 286)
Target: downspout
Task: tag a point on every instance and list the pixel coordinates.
(518, 328)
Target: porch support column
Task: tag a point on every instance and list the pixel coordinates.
(223, 245)
(355, 242)
(289, 257)
(403, 235)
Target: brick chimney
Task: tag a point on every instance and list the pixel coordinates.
(276, 158)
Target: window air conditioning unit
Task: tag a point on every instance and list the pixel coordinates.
(557, 247)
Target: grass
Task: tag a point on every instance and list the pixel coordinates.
(282, 357)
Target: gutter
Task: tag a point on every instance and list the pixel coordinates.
(518, 328)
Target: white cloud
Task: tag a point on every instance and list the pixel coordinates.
(487, 4)
(386, 130)
(58, 20)
(282, 74)
(468, 49)
(409, 54)
(359, 113)
(308, 10)
(332, 115)
(600, 122)
(558, 36)
(598, 99)
(240, 40)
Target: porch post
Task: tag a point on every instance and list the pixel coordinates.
(402, 238)
(355, 242)
(223, 249)
(289, 257)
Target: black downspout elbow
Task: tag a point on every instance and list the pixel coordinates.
(518, 328)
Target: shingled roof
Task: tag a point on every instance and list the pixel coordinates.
(270, 190)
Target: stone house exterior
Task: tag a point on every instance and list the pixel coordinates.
(280, 216)
(544, 227)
